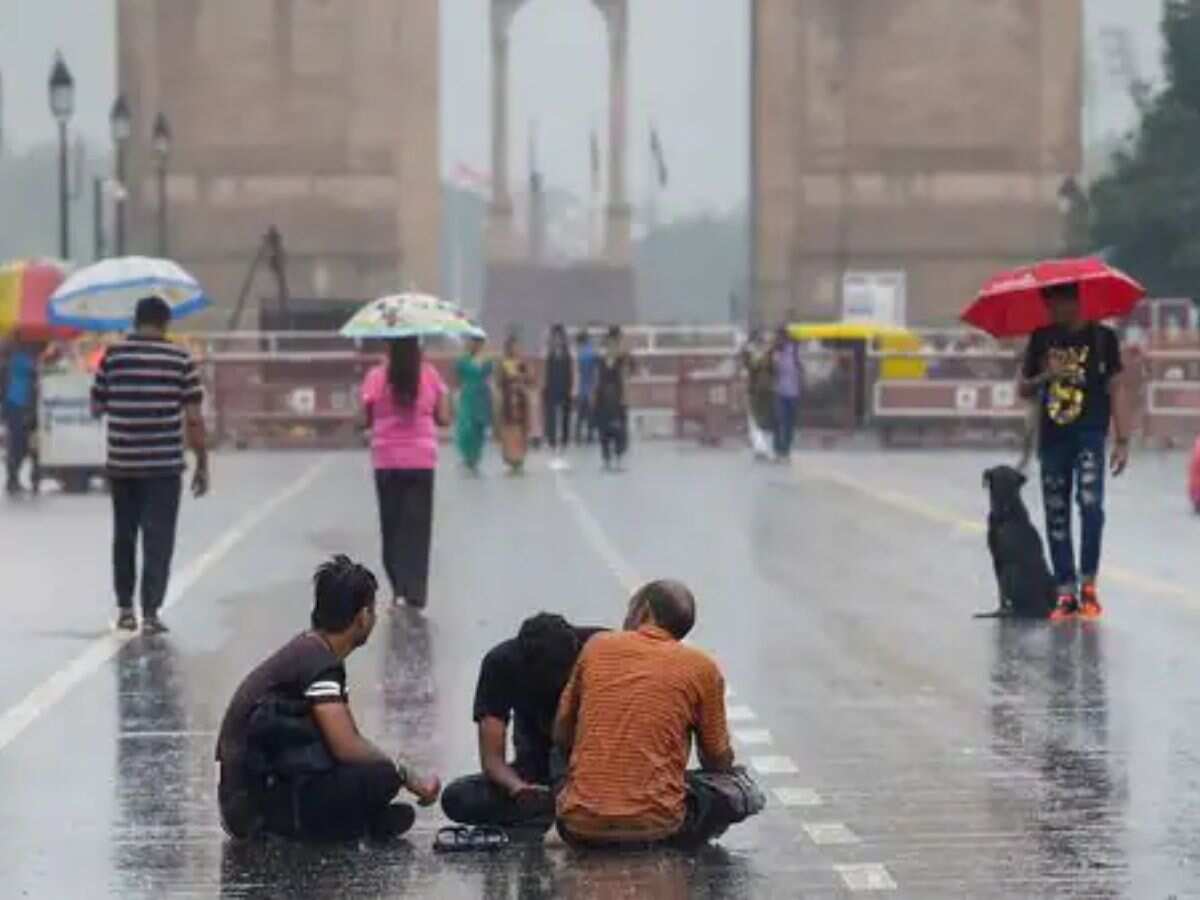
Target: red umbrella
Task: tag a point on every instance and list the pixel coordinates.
(1011, 305)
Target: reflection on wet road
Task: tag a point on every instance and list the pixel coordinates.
(908, 748)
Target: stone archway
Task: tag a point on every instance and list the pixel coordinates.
(503, 243)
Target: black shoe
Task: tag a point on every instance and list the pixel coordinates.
(394, 821)
(152, 624)
(127, 621)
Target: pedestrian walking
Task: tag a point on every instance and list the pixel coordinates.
(515, 383)
(760, 386)
(149, 390)
(474, 414)
(789, 378)
(1073, 368)
(558, 390)
(20, 394)
(586, 363)
(612, 419)
(405, 401)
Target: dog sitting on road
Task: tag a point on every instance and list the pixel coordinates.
(1026, 587)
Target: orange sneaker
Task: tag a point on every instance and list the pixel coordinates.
(1067, 607)
(1090, 607)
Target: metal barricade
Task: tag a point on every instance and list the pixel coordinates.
(1170, 395)
(962, 398)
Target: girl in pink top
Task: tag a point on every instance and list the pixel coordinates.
(405, 401)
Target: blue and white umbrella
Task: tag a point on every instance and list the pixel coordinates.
(103, 296)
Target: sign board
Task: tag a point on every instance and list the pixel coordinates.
(869, 296)
(68, 436)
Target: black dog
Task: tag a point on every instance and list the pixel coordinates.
(1027, 588)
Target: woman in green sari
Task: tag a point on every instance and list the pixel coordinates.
(474, 404)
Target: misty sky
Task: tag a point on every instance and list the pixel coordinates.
(688, 74)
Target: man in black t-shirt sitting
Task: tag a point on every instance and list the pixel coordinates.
(1073, 367)
(292, 761)
(520, 680)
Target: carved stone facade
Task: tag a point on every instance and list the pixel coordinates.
(318, 116)
(929, 136)
(503, 242)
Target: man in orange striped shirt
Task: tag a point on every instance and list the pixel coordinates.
(625, 722)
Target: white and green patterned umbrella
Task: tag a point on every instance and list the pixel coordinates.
(411, 315)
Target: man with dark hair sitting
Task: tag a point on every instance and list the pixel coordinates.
(292, 761)
(626, 721)
(520, 679)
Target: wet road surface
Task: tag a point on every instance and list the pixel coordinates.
(907, 748)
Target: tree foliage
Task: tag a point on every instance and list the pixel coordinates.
(1147, 209)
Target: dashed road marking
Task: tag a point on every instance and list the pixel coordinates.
(58, 685)
(797, 796)
(774, 765)
(830, 833)
(750, 736)
(866, 877)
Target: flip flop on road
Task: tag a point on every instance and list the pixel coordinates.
(464, 839)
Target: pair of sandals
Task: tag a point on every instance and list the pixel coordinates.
(470, 839)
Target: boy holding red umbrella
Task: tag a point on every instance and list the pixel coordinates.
(1073, 367)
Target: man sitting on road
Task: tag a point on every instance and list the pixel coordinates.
(522, 679)
(292, 761)
(625, 721)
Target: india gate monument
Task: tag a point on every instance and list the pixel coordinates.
(929, 137)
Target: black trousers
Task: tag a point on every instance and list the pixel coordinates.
(585, 421)
(476, 800)
(556, 420)
(341, 804)
(16, 424)
(406, 528)
(706, 819)
(149, 507)
(613, 424)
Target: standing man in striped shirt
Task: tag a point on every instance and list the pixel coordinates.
(150, 391)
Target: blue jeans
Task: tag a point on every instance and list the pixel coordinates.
(785, 424)
(1074, 464)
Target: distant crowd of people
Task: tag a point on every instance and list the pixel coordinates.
(587, 387)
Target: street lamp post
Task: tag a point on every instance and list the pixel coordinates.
(62, 105)
(121, 123)
(162, 153)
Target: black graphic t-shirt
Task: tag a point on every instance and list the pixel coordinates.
(1079, 399)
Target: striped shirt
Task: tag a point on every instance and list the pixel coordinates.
(633, 702)
(142, 386)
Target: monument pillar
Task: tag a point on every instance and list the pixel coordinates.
(618, 214)
(502, 238)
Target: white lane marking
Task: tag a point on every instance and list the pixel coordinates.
(54, 688)
(774, 765)
(752, 736)
(594, 532)
(797, 796)
(866, 877)
(740, 714)
(829, 833)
